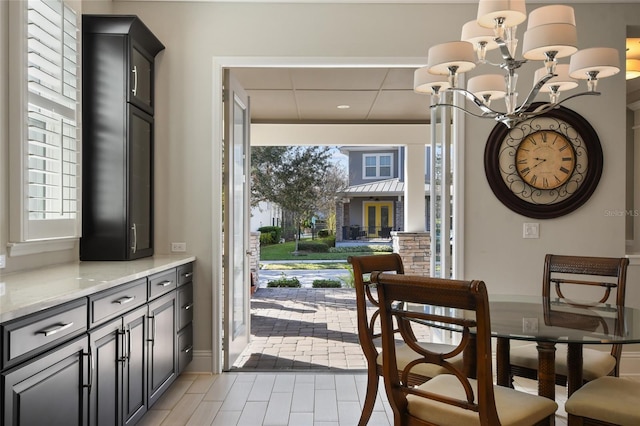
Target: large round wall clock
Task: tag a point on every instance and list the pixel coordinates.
(546, 166)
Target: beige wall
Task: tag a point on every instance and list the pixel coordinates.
(187, 145)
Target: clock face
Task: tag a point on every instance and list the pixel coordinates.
(545, 159)
(546, 166)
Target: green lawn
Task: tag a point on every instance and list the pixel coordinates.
(285, 252)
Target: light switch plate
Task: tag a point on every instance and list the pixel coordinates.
(529, 325)
(3, 261)
(530, 230)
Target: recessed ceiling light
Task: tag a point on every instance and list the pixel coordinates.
(344, 106)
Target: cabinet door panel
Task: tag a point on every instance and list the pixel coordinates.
(48, 390)
(162, 345)
(141, 92)
(134, 394)
(106, 349)
(140, 185)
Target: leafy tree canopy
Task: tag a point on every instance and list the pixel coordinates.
(291, 176)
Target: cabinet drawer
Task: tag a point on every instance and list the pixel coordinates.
(185, 274)
(185, 305)
(185, 348)
(162, 283)
(113, 302)
(31, 335)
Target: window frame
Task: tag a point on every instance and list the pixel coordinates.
(29, 235)
(378, 166)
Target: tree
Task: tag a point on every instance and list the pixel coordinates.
(290, 177)
(336, 181)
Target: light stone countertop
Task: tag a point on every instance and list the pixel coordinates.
(26, 292)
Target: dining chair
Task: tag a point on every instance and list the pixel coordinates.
(605, 401)
(369, 328)
(582, 281)
(448, 399)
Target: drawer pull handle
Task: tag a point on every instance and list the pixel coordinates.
(187, 349)
(54, 329)
(187, 307)
(187, 274)
(165, 283)
(124, 300)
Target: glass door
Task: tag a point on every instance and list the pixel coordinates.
(236, 221)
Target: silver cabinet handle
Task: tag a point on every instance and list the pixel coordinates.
(187, 349)
(134, 243)
(165, 283)
(124, 300)
(135, 80)
(187, 274)
(54, 329)
(153, 333)
(187, 306)
(123, 355)
(91, 370)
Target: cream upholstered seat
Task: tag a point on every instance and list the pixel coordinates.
(448, 399)
(368, 332)
(584, 274)
(605, 401)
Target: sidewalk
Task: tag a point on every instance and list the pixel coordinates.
(303, 329)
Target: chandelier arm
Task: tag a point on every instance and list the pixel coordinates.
(476, 101)
(549, 106)
(493, 114)
(534, 92)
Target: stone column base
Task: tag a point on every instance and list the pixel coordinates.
(415, 250)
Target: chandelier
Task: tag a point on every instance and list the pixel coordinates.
(551, 34)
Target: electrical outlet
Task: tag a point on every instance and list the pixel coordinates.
(530, 230)
(3, 261)
(178, 247)
(529, 325)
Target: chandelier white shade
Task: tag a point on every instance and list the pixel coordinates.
(633, 68)
(551, 35)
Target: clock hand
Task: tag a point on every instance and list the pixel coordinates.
(542, 160)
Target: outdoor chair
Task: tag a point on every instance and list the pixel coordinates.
(605, 401)
(369, 325)
(576, 279)
(448, 399)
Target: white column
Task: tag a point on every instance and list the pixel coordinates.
(635, 107)
(414, 202)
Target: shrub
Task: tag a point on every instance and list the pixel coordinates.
(349, 280)
(266, 239)
(274, 232)
(326, 284)
(313, 247)
(284, 281)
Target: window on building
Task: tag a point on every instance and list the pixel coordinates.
(45, 134)
(378, 166)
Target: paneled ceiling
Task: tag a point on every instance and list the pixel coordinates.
(333, 95)
(314, 95)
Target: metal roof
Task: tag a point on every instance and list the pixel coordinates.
(380, 187)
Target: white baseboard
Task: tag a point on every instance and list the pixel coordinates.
(630, 364)
(202, 362)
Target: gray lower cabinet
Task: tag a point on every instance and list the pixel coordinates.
(162, 368)
(50, 390)
(100, 360)
(118, 376)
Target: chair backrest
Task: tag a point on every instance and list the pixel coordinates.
(470, 296)
(600, 274)
(363, 266)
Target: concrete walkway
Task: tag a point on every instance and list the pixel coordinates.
(303, 329)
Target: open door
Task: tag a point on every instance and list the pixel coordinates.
(237, 317)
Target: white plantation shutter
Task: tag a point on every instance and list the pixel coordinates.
(50, 151)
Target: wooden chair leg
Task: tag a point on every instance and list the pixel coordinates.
(370, 397)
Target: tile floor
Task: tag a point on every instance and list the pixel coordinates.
(290, 399)
(304, 366)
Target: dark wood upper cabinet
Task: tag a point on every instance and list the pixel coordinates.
(117, 153)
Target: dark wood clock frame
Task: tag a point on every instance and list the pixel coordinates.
(506, 183)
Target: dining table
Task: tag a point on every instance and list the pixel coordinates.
(548, 322)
